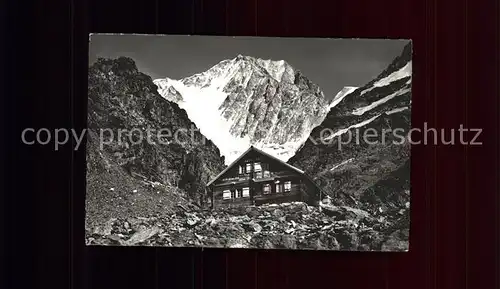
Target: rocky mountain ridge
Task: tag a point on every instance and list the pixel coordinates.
(130, 167)
(369, 174)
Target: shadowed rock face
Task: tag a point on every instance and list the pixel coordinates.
(371, 173)
(120, 97)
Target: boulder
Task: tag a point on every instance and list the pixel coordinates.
(141, 236)
(288, 242)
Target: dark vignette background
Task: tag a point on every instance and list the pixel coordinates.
(454, 232)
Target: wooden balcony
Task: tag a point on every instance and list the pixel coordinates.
(240, 178)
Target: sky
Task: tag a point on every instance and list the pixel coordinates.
(330, 63)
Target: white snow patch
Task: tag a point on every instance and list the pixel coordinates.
(396, 110)
(274, 68)
(341, 95)
(362, 110)
(341, 164)
(163, 87)
(202, 108)
(282, 151)
(405, 71)
(342, 131)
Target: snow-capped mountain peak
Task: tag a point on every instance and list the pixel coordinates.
(250, 101)
(241, 67)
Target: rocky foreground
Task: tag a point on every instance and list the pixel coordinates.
(284, 226)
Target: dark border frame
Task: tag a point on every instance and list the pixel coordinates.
(455, 205)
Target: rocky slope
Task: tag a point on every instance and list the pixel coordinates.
(372, 173)
(136, 176)
(247, 101)
(284, 226)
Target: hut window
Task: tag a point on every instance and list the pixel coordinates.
(240, 170)
(265, 170)
(226, 194)
(258, 170)
(240, 193)
(246, 192)
(279, 188)
(266, 188)
(288, 186)
(249, 168)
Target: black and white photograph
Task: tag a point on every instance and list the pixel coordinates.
(248, 142)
